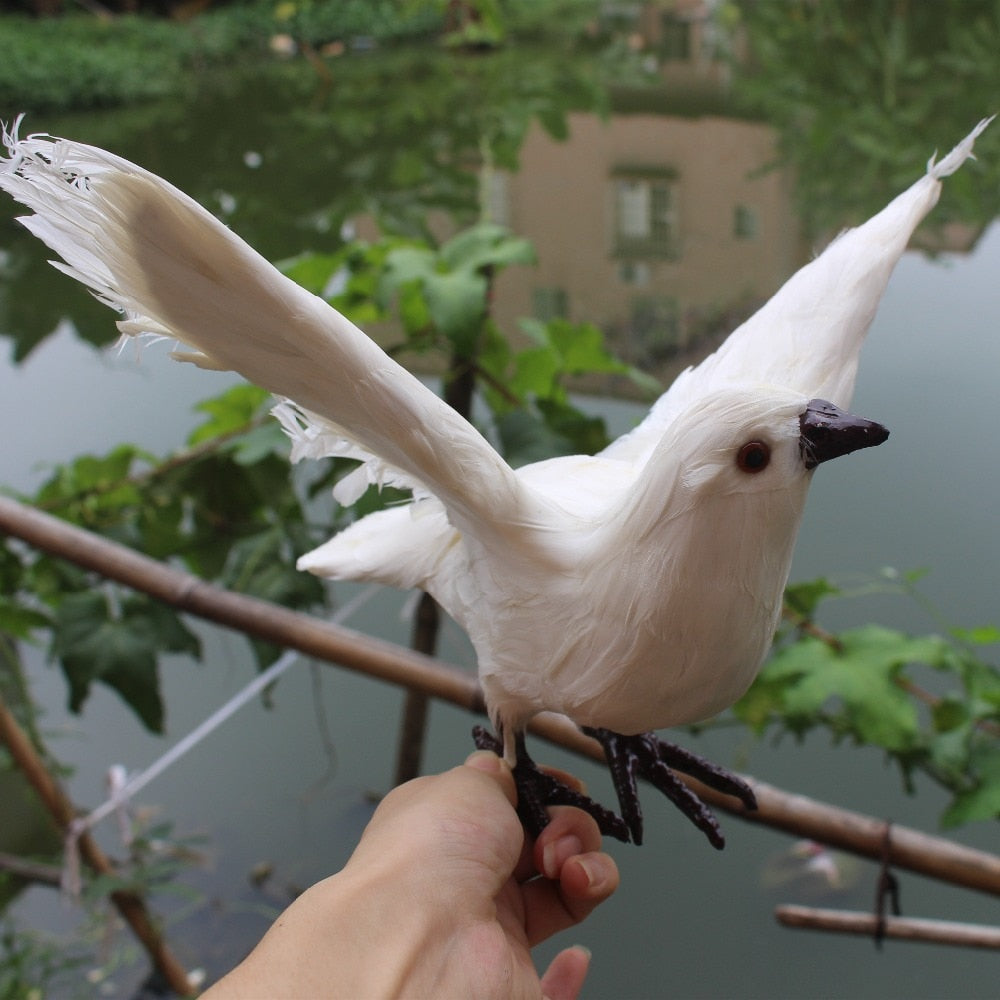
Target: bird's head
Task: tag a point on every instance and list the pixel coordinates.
(762, 442)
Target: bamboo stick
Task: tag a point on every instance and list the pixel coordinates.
(799, 815)
(902, 928)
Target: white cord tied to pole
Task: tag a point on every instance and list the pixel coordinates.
(121, 792)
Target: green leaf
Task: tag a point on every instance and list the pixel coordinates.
(525, 437)
(231, 411)
(18, 621)
(90, 486)
(536, 372)
(486, 245)
(581, 346)
(403, 265)
(413, 310)
(312, 270)
(457, 306)
(803, 598)
(981, 801)
(984, 635)
(263, 565)
(119, 649)
(264, 441)
(949, 713)
(583, 434)
(860, 680)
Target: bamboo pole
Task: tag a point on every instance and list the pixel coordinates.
(902, 928)
(799, 815)
(129, 904)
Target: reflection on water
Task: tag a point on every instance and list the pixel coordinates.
(657, 228)
(664, 225)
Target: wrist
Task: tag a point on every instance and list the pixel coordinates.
(365, 931)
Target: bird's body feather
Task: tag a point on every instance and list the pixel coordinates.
(631, 590)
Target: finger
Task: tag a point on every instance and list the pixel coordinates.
(570, 831)
(564, 977)
(489, 763)
(585, 881)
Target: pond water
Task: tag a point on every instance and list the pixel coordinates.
(289, 783)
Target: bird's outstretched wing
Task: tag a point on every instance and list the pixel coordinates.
(808, 336)
(173, 269)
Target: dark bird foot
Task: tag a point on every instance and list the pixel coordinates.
(646, 756)
(536, 790)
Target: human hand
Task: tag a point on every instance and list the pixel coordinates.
(443, 897)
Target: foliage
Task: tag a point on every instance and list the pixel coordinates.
(931, 702)
(441, 295)
(224, 507)
(328, 156)
(872, 85)
(79, 61)
(30, 963)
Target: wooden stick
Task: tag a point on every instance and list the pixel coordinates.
(129, 904)
(32, 871)
(910, 849)
(903, 928)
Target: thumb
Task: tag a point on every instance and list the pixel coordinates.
(564, 977)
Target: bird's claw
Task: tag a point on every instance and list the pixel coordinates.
(536, 789)
(645, 755)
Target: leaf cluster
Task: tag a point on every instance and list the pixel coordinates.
(224, 507)
(931, 702)
(32, 963)
(440, 296)
(875, 83)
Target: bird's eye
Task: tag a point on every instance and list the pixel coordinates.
(753, 457)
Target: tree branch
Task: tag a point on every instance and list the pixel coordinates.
(903, 928)
(130, 905)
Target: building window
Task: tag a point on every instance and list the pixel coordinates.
(549, 303)
(645, 216)
(744, 223)
(675, 38)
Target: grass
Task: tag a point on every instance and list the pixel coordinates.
(80, 62)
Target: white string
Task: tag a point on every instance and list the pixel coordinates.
(122, 792)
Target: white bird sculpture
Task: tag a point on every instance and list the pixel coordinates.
(632, 590)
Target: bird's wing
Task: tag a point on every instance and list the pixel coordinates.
(173, 269)
(808, 336)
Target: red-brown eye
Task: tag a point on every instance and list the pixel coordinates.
(753, 456)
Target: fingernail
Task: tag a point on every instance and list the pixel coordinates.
(555, 855)
(594, 877)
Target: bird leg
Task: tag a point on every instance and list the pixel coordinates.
(537, 789)
(646, 756)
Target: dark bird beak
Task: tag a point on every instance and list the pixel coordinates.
(827, 431)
